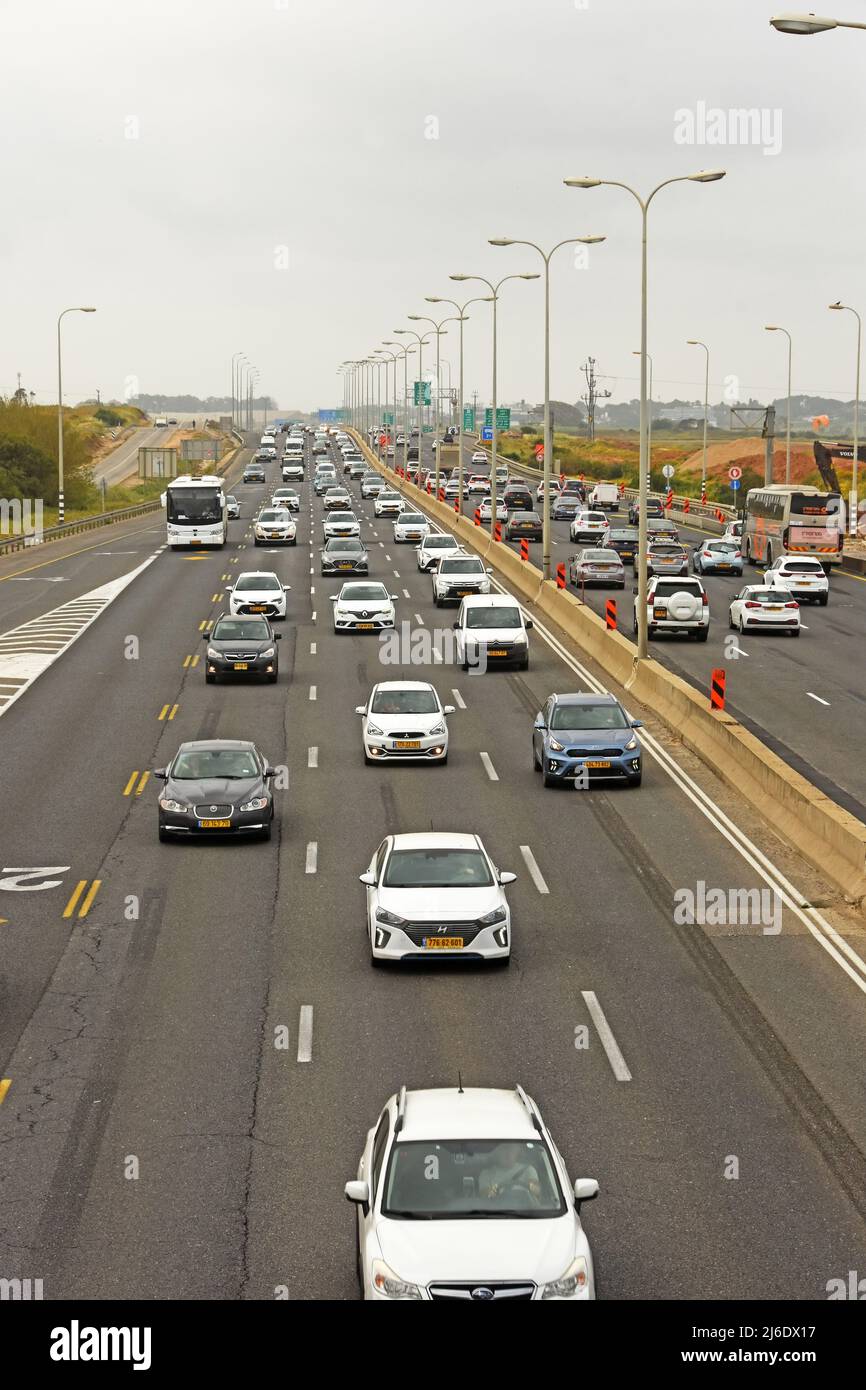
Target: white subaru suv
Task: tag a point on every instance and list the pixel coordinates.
(462, 1195)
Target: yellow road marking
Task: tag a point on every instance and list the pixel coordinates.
(195, 660)
(76, 894)
(4, 1087)
(145, 778)
(195, 557)
(163, 712)
(88, 901)
(130, 784)
(174, 710)
(215, 598)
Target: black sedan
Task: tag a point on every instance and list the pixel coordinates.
(517, 499)
(218, 787)
(624, 539)
(345, 555)
(241, 646)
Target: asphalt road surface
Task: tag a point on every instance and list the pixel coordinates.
(157, 1140)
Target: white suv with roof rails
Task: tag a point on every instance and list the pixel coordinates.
(801, 576)
(459, 575)
(463, 1196)
(676, 605)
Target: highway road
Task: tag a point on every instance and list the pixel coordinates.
(122, 462)
(158, 1141)
(805, 700)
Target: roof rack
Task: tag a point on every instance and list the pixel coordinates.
(530, 1107)
(401, 1111)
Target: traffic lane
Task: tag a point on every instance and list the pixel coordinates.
(122, 462)
(455, 1023)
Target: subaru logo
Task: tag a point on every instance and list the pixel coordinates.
(483, 1294)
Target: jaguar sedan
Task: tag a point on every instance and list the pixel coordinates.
(219, 787)
(436, 895)
(360, 607)
(242, 646)
(404, 719)
(345, 556)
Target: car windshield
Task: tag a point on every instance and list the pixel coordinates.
(594, 516)
(526, 518)
(343, 547)
(588, 716)
(411, 518)
(404, 702)
(341, 517)
(199, 764)
(241, 630)
(624, 536)
(437, 868)
(276, 514)
(725, 547)
(193, 504)
(246, 582)
(471, 1179)
(761, 596)
(492, 616)
(465, 566)
(440, 543)
(352, 593)
(667, 550)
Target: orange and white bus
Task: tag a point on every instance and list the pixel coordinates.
(793, 519)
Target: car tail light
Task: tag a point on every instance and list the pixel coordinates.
(752, 604)
(792, 605)
(739, 555)
(704, 599)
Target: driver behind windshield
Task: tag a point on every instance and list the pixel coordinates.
(507, 1171)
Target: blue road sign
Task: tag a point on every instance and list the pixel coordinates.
(486, 431)
(735, 483)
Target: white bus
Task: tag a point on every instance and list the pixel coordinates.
(196, 512)
(793, 519)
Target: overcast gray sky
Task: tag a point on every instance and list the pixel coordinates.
(157, 155)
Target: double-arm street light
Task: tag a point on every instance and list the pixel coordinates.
(234, 390)
(439, 330)
(61, 503)
(774, 328)
(696, 342)
(852, 501)
(405, 353)
(703, 176)
(805, 24)
(410, 332)
(494, 290)
(548, 430)
(461, 317)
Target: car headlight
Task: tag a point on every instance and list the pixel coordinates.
(168, 805)
(258, 803)
(375, 731)
(574, 1280)
(212, 654)
(491, 918)
(386, 1282)
(631, 745)
(436, 730)
(390, 919)
(269, 654)
(557, 747)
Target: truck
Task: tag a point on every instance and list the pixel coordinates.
(604, 496)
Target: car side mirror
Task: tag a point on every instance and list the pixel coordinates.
(161, 773)
(635, 591)
(228, 588)
(455, 625)
(360, 709)
(277, 636)
(333, 597)
(637, 723)
(585, 1190)
(393, 596)
(206, 636)
(359, 1193)
(269, 772)
(369, 879)
(528, 622)
(539, 722)
(506, 877)
(447, 709)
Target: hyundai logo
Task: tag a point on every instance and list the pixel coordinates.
(483, 1294)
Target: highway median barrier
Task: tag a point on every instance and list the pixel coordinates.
(828, 837)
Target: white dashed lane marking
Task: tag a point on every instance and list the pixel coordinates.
(534, 871)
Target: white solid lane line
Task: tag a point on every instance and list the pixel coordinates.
(458, 699)
(488, 767)
(534, 871)
(608, 1041)
(818, 698)
(305, 1033)
(312, 757)
(312, 863)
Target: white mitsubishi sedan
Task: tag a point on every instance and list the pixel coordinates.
(405, 719)
(462, 1195)
(436, 895)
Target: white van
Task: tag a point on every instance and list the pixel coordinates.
(491, 629)
(604, 495)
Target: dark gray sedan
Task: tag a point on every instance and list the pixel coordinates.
(219, 787)
(345, 555)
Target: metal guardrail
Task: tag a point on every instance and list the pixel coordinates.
(72, 528)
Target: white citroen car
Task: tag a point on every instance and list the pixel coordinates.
(404, 719)
(439, 895)
(363, 607)
(258, 591)
(462, 1195)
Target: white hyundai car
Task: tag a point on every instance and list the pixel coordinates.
(802, 577)
(433, 547)
(404, 719)
(388, 503)
(363, 607)
(258, 591)
(410, 526)
(462, 1195)
(436, 894)
(340, 524)
(757, 607)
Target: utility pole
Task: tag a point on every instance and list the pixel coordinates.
(591, 395)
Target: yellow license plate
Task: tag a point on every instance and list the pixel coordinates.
(258, 607)
(214, 825)
(365, 627)
(344, 567)
(660, 612)
(407, 743)
(496, 651)
(596, 764)
(242, 666)
(444, 943)
(774, 608)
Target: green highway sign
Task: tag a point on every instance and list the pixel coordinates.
(503, 417)
(389, 417)
(468, 420)
(417, 397)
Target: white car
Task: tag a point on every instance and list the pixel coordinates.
(554, 491)
(486, 510)
(410, 526)
(233, 507)
(433, 547)
(363, 607)
(478, 484)
(286, 497)
(436, 892)
(456, 576)
(677, 605)
(491, 629)
(452, 489)
(479, 457)
(590, 527)
(494, 1157)
(336, 499)
(292, 472)
(257, 591)
(756, 607)
(371, 485)
(733, 532)
(275, 526)
(340, 524)
(405, 719)
(803, 577)
(387, 503)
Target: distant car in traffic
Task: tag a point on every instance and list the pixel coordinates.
(340, 523)
(718, 557)
(233, 507)
(802, 577)
(275, 526)
(524, 526)
(624, 540)
(583, 735)
(677, 606)
(404, 720)
(667, 557)
(344, 555)
(457, 575)
(590, 527)
(756, 607)
(361, 606)
(432, 548)
(410, 527)
(258, 591)
(596, 565)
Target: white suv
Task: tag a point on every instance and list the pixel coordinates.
(433, 547)
(801, 577)
(677, 605)
(445, 1185)
(457, 576)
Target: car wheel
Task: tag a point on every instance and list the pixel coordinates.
(266, 833)
(742, 627)
(823, 600)
(702, 634)
(535, 761)
(795, 632)
(376, 961)
(272, 679)
(500, 962)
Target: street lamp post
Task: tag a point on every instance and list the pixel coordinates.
(649, 423)
(61, 501)
(405, 353)
(494, 290)
(852, 500)
(703, 176)
(774, 328)
(410, 332)
(440, 331)
(696, 342)
(548, 430)
(234, 393)
(461, 317)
